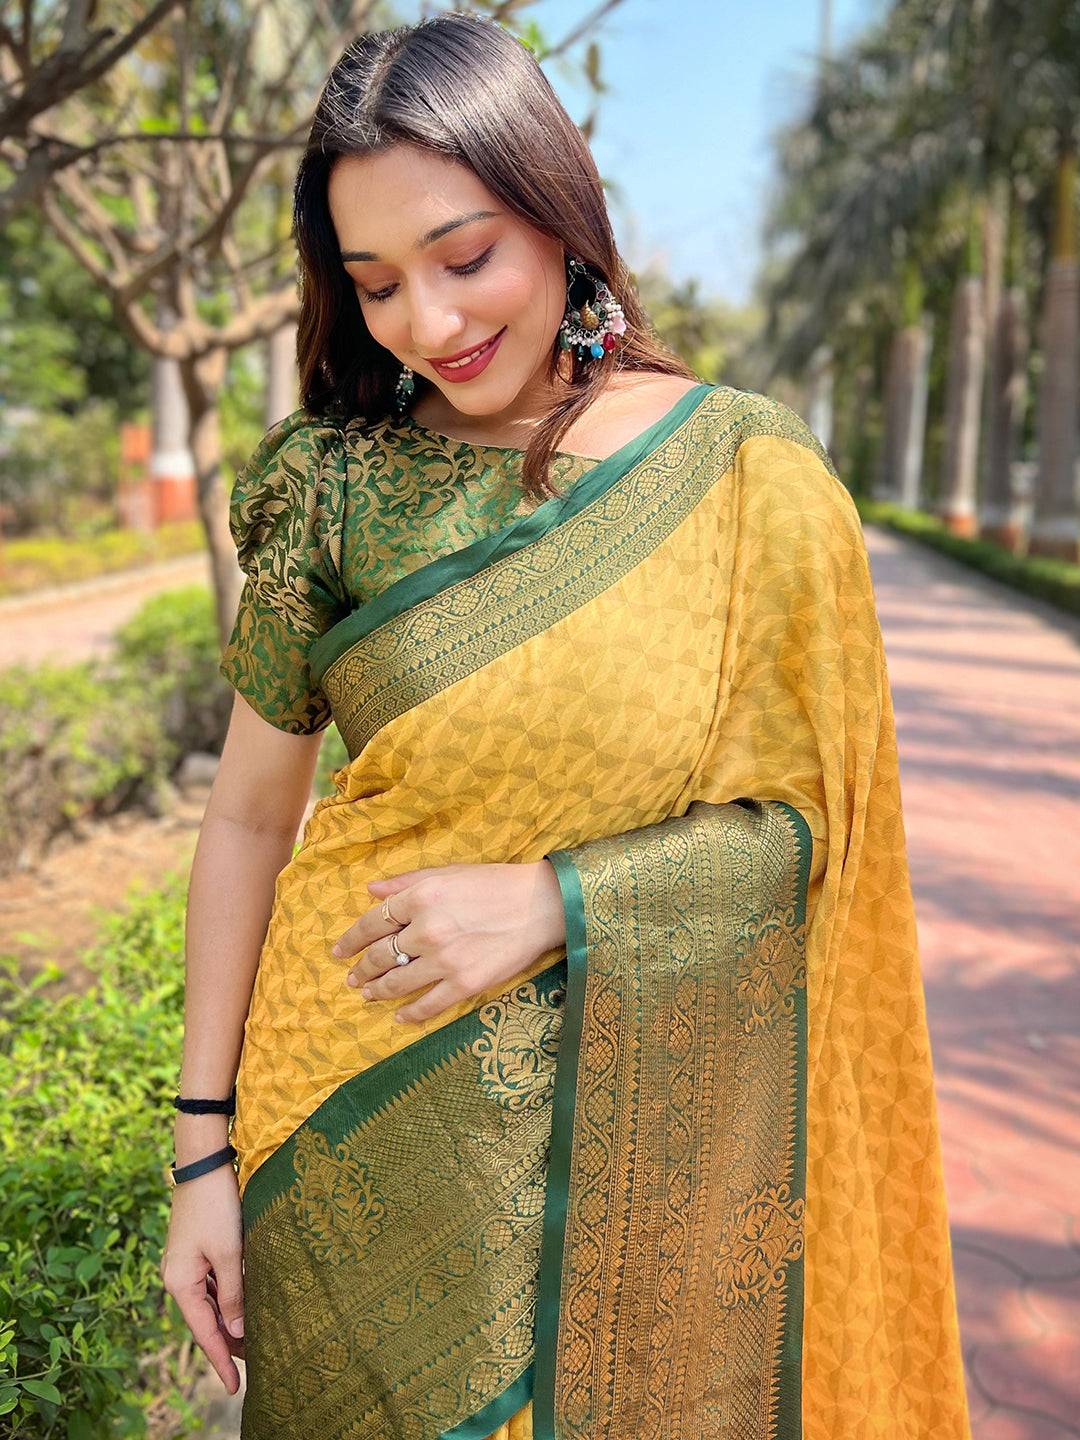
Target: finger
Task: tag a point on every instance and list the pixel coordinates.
(201, 1316)
(371, 927)
(229, 1290)
(439, 998)
(402, 980)
(236, 1345)
(380, 957)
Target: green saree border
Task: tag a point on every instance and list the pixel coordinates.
(358, 1098)
(788, 1409)
(462, 564)
(435, 643)
(373, 1095)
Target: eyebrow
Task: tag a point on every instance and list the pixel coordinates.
(431, 236)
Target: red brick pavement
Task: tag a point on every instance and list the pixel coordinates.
(986, 688)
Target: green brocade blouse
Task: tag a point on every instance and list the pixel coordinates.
(326, 515)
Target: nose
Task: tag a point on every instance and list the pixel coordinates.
(438, 327)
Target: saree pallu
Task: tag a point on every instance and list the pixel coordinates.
(681, 1177)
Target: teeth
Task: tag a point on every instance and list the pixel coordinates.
(457, 364)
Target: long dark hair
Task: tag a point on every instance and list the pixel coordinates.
(463, 86)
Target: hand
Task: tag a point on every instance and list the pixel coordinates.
(470, 926)
(201, 1266)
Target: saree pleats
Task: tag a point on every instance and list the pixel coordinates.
(682, 1179)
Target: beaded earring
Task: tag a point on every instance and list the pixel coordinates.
(593, 316)
(592, 320)
(404, 392)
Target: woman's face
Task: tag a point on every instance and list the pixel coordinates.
(425, 299)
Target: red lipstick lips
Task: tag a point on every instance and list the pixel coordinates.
(474, 367)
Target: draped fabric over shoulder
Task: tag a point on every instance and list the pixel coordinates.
(681, 1178)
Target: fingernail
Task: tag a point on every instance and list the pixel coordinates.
(236, 1327)
(366, 992)
(353, 979)
(337, 950)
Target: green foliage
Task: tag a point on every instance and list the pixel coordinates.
(59, 471)
(60, 344)
(1047, 578)
(36, 562)
(89, 739)
(332, 756)
(169, 652)
(89, 1341)
(73, 743)
(241, 408)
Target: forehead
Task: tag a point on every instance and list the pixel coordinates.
(384, 202)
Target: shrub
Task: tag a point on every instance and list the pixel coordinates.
(1046, 577)
(42, 561)
(81, 741)
(170, 648)
(90, 1345)
(73, 743)
(332, 755)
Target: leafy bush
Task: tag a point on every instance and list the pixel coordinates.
(81, 741)
(59, 468)
(1048, 578)
(90, 1345)
(170, 649)
(73, 743)
(332, 755)
(39, 562)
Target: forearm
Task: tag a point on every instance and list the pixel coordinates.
(230, 896)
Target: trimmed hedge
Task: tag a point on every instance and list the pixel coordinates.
(37, 563)
(90, 1344)
(1046, 578)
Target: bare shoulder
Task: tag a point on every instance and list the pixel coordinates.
(632, 402)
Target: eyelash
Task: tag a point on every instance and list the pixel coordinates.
(469, 268)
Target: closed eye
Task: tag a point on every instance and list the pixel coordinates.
(469, 268)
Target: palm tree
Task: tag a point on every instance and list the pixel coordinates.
(938, 106)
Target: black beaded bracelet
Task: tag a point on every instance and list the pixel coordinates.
(207, 1107)
(201, 1167)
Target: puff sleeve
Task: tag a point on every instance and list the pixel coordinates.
(286, 516)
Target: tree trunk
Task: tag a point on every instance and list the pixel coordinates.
(963, 404)
(1000, 515)
(1054, 522)
(913, 379)
(203, 378)
(994, 241)
(819, 406)
(172, 471)
(282, 379)
(887, 473)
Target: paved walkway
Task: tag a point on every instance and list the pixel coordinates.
(986, 687)
(75, 622)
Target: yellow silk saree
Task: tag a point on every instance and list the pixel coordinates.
(681, 1179)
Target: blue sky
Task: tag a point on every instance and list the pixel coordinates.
(696, 86)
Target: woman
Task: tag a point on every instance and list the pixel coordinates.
(585, 1088)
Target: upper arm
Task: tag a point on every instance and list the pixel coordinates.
(265, 774)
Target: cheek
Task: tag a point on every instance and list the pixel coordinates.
(512, 292)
